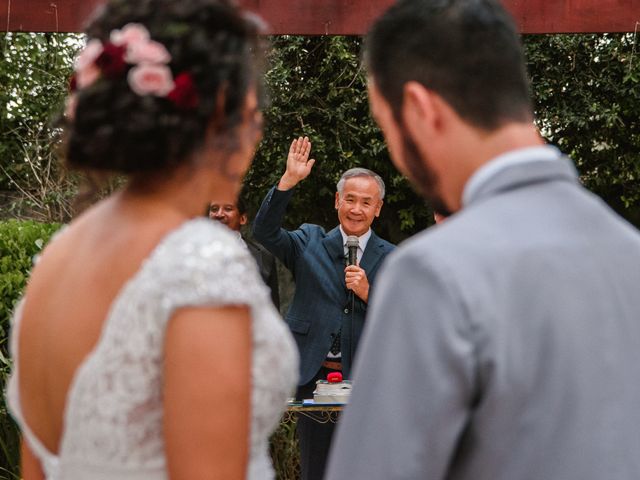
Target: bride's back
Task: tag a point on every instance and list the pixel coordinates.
(69, 296)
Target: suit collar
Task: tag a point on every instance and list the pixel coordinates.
(373, 252)
(363, 239)
(332, 242)
(521, 174)
(505, 160)
(335, 248)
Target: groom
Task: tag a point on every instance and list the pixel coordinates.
(503, 344)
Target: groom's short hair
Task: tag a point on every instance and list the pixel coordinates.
(467, 51)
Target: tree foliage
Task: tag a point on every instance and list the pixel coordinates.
(34, 70)
(20, 243)
(317, 88)
(587, 95)
(586, 90)
(587, 99)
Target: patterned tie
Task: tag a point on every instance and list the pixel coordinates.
(335, 345)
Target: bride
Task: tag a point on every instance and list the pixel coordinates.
(146, 346)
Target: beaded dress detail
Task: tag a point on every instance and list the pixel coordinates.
(113, 415)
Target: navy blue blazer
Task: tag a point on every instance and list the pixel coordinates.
(321, 305)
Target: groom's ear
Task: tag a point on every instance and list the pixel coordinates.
(421, 112)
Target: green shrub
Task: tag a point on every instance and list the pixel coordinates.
(20, 242)
(283, 447)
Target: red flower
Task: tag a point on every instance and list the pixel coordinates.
(184, 95)
(111, 61)
(73, 83)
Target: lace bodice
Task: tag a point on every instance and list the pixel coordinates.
(113, 416)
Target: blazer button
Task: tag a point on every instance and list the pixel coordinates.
(346, 310)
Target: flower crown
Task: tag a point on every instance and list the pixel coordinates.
(149, 73)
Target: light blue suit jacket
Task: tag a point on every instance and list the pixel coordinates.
(321, 305)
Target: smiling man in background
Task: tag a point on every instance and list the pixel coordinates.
(234, 216)
(328, 309)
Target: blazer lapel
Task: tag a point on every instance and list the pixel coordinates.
(333, 244)
(372, 253)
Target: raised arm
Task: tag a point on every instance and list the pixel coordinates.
(267, 225)
(298, 164)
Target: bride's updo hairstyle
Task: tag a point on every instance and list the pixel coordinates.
(155, 79)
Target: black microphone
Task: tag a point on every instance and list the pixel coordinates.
(352, 249)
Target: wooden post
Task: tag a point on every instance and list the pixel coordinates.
(343, 17)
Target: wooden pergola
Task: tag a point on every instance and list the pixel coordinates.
(343, 17)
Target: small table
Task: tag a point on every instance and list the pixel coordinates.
(321, 412)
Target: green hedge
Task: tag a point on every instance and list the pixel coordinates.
(20, 242)
(284, 451)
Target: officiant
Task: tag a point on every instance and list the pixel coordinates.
(328, 310)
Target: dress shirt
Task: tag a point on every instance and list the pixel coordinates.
(362, 242)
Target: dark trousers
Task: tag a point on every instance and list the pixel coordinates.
(314, 438)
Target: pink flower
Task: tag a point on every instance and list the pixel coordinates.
(146, 52)
(88, 55)
(87, 76)
(150, 75)
(148, 79)
(130, 34)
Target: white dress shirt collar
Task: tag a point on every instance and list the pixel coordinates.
(362, 241)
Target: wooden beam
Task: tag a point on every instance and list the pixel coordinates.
(45, 15)
(343, 17)
(575, 16)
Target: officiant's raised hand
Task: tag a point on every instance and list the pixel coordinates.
(298, 164)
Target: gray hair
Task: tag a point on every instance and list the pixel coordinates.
(360, 172)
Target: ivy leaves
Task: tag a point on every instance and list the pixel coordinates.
(587, 98)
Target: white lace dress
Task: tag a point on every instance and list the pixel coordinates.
(113, 416)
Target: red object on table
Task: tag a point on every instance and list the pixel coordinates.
(334, 377)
